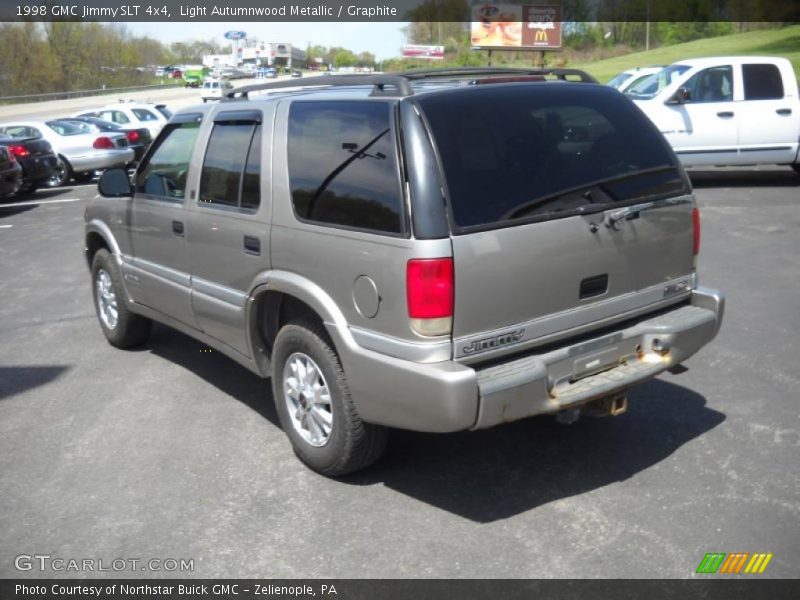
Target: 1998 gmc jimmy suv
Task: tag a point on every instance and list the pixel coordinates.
(436, 250)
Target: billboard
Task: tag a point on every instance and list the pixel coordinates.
(425, 52)
(511, 26)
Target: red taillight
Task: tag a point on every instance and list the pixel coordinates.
(103, 143)
(696, 227)
(429, 289)
(133, 136)
(19, 151)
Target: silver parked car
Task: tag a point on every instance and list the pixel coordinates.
(439, 251)
(79, 153)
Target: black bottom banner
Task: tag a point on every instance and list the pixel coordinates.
(390, 589)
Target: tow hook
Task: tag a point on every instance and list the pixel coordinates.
(610, 406)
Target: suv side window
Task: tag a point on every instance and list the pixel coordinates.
(762, 82)
(343, 165)
(232, 166)
(711, 85)
(115, 116)
(164, 172)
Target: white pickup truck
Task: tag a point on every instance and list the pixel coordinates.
(740, 110)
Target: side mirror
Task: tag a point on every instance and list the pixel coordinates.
(115, 183)
(680, 96)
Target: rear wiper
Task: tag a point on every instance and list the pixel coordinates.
(599, 183)
(613, 218)
(518, 211)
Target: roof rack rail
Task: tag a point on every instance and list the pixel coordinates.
(379, 83)
(462, 72)
(401, 82)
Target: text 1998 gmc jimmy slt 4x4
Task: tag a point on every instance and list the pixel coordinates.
(435, 250)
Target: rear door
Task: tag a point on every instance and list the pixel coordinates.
(227, 230)
(770, 115)
(535, 176)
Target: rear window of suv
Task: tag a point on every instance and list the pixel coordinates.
(534, 152)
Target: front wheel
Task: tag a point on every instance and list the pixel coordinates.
(315, 407)
(121, 327)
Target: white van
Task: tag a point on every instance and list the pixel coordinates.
(214, 89)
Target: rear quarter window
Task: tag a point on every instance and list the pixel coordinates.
(517, 151)
(343, 165)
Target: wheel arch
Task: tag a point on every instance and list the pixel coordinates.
(283, 297)
(98, 235)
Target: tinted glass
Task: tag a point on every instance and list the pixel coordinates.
(144, 115)
(251, 183)
(762, 82)
(65, 128)
(540, 151)
(711, 85)
(164, 111)
(221, 179)
(343, 165)
(164, 172)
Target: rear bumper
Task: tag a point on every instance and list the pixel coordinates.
(450, 396)
(38, 168)
(10, 179)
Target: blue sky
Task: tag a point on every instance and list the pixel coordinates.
(385, 40)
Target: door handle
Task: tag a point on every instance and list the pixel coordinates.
(784, 111)
(252, 245)
(725, 114)
(177, 228)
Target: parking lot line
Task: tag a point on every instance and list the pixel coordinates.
(32, 202)
(6, 226)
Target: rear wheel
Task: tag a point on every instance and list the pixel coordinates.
(315, 407)
(121, 327)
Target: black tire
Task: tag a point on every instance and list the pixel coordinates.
(61, 174)
(351, 443)
(130, 329)
(84, 177)
(796, 167)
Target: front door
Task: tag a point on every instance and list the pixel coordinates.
(157, 272)
(704, 130)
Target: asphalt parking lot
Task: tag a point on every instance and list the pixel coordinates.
(171, 451)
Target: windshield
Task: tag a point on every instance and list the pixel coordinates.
(513, 153)
(619, 80)
(650, 86)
